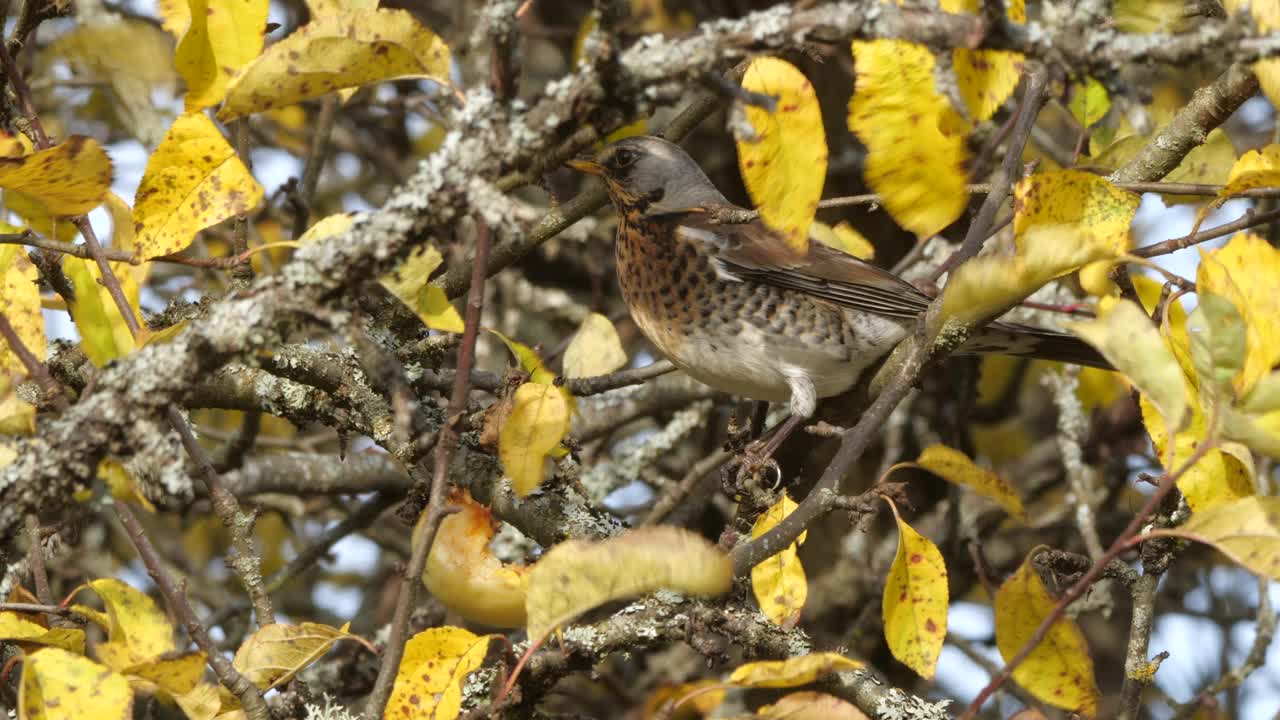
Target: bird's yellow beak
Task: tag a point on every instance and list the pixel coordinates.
(589, 167)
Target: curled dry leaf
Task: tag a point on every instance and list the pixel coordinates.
(915, 600)
(334, 52)
(275, 653)
(809, 705)
(785, 165)
(193, 180)
(915, 140)
(956, 467)
(58, 685)
(1059, 670)
(576, 576)
(70, 178)
(800, 670)
(595, 349)
(431, 675)
(466, 577)
(779, 581)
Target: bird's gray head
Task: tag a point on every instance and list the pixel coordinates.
(650, 175)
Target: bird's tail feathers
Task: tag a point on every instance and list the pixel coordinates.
(1033, 342)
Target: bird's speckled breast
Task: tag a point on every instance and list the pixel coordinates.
(739, 337)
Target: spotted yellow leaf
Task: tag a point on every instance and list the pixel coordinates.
(577, 575)
(779, 581)
(538, 421)
(785, 164)
(176, 674)
(432, 672)
(915, 601)
(320, 8)
(193, 180)
(24, 629)
(1246, 530)
(1059, 670)
(595, 349)
(138, 630)
(70, 178)
(58, 685)
(956, 467)
(20, 304)
(222, 36)
(915, 140)
(334, 52)
(799, 670)
(986, 77)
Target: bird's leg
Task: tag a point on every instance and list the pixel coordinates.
(804, 401)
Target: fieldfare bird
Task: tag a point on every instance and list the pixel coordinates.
(737, 308)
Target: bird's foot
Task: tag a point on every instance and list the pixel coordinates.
(757, 458)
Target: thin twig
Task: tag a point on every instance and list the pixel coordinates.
(357, 519)
(30, 239)
(429, 523)
(597, 384)
(1264, 633)
(1163, 188)
(700, 470)
(35, 561)
(316, 155)
(35, 368)
(1251, 218)
(55, 610)
(1120, 545)
(241, 272)
(250, 696)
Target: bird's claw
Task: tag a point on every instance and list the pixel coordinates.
(755, 458)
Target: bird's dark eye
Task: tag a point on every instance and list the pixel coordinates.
(624, 158)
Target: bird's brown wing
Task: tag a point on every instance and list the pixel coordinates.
(751, 251)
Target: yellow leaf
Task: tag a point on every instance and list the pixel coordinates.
(70, 178)
(38, 218)
(1089, 102)
(121, 484)
(193, 180)
(1266, 13)
(956, 467)
(276, 652)
(1209, 163)
(1256, 168)
(1246, 272)
(842, 237)
(334, 52)
(1216, 478)
(809, 705)
(686, 701)
(988, 285)
(595, 349)
(465, 576)
(1059, 670)
(326, 227)
(320, 8)
(410, 282)
(103, 332)
(1246, 530)
(1129, 341)
(915, 148)
(20, 303)
(175, 16)
(1150, 16)
(222, 37)
(16, 628)
(915, 601)
(202, 703)
(124, 237)
(139, 630)
(539, 420)
(176, 675)
(58, 685)
(785, 165)
(1082, 203)
(433, 671)
(791, 672)
(528, 359)
(986, 77)
(778, 582)
(576, 576)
